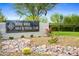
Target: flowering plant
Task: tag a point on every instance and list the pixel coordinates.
(26, 51)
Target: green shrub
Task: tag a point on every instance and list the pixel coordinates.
(31, 36)
(11, 38)
(22, 36)
(39, 36)
(26, 51)
(1, 35)
(53, 40)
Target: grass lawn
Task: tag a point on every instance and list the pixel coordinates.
(66, 33)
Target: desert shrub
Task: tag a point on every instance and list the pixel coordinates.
(39, 36)
(1, 35)
(22, 36)
(11, 38)
(31, 36)
(53, 40)
(26, 51)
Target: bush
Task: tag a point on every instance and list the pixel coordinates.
(65, 27)
(31, 36)
(1, 35)
(39, 36)
(11, 38)
(22, 36)
(53, 40)
(26, 51)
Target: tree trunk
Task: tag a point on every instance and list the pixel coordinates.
(74, 28)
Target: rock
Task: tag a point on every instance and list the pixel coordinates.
(68, 48)
(5, 42)
(15, 45)
(39, 48)
(11, 46)
(48, 53)
(61, 55)
(5, 47)
(54, 54)
(74, 48)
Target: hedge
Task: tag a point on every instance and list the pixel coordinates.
(64, 28)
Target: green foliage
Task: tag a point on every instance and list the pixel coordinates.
(26, 51)
(65, 27)
(1, 35)
(30, 18)
(53, 39)
(72, 19)
(11, 38)
(2, 17)
(33, 9)
(57, 18)
(43, 19)
(31, 36)
(22, 36)
(65, 23)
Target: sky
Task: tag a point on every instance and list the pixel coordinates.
(63, 8)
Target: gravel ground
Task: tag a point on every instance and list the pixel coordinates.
(66, 46)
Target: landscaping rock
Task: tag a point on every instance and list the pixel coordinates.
(15, 45)
(57, 50)
(40, 49)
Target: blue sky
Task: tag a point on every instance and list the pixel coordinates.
(62, 8)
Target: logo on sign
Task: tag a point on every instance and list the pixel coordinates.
(22, 26)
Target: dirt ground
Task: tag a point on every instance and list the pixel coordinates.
(69, 41)
(40, 40)
(62, 40)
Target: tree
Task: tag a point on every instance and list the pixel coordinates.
(42, 18)
(72, 20)
(33, 9)
(2, 17)
(75, 19)
(30, 18)
(67, 20)
(57, 19)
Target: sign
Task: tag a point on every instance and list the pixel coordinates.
(22, 26)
